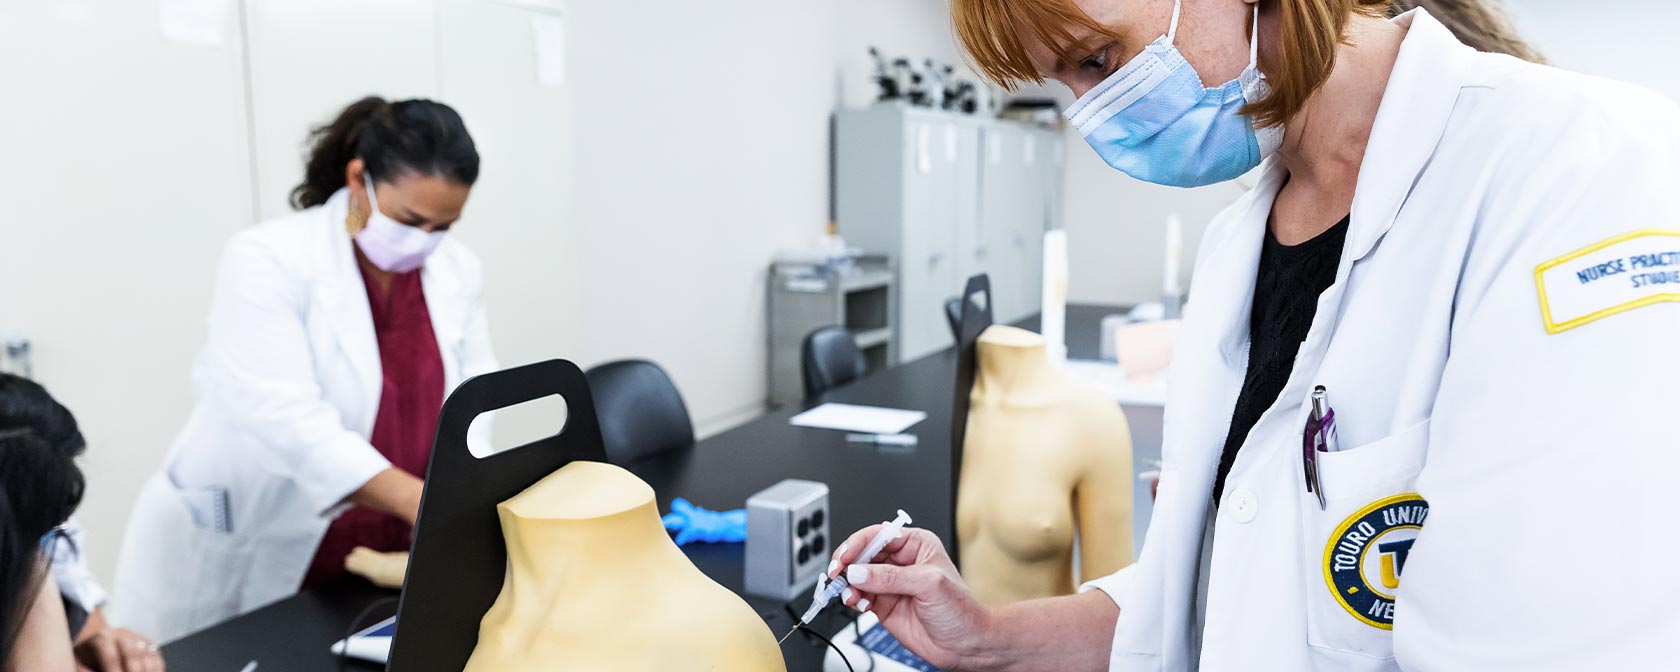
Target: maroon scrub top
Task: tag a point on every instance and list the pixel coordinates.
(409, 401)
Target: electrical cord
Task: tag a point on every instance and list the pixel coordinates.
(356, 626)
(831, 645)
(792, 614)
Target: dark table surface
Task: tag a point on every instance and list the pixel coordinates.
(866, 485)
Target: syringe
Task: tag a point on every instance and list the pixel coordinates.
(828, 590)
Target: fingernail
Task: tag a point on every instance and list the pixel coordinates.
(846, 595)
(863, 605)
(832, 565)
(857, 574)
(840, 552)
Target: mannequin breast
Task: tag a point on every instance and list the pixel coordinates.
(1015, 515)
(595, 583)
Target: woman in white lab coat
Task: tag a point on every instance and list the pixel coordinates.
(335, 333)
(1476, 257)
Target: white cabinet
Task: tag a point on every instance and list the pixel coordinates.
(947, 196)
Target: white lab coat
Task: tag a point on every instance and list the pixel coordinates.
(287, 388)
(1550, 462)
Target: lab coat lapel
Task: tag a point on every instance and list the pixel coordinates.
(1410, 123)
(344, 296)
(446, 305)
(1422, 92)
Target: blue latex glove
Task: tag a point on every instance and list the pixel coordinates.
(695, 524)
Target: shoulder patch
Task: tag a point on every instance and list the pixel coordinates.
(1615, 275)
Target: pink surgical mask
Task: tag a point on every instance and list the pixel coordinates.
(391, 245)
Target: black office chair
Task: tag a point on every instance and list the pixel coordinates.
(953, 317)
(829, 359)
(640, 411)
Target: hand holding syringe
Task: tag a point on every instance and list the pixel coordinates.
(911, 585)
(828, 590)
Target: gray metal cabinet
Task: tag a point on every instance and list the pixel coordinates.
(804, 297)
(947, 196)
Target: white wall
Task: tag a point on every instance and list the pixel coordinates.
(120, 186)
(702, 146)
(521, 223)
(1115, 222)
(1630, 40)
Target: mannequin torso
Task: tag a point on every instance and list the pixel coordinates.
(1046, 458)
(595, 583)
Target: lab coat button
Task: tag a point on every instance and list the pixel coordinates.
(1244, 505)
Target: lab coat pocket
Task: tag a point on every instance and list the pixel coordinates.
(197, 561)
(1355, 548)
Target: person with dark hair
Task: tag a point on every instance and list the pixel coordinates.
(43, 627)
(335, 334)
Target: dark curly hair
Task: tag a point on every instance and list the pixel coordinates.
(40, 486)
(391, 138)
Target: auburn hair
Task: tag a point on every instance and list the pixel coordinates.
(990, 31)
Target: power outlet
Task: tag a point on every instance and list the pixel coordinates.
(788, 542)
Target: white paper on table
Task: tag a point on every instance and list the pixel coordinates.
(866, 419)
(200, 22)
(548, 41)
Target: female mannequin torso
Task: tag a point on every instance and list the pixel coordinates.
(1047, 459)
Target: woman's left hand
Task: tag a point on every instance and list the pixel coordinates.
(118, 650)
(385, 570)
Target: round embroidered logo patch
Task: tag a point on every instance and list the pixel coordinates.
(1367, 553)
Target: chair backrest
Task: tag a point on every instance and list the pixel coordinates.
(829, 359)
(953, 317)
(641, 413)
(976, 310)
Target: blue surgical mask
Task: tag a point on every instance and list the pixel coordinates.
(1153, 120)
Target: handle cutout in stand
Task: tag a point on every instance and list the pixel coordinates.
(518, 426)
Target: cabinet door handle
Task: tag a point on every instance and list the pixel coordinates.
(935, 258)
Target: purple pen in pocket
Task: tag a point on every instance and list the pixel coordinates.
(1319, 436)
